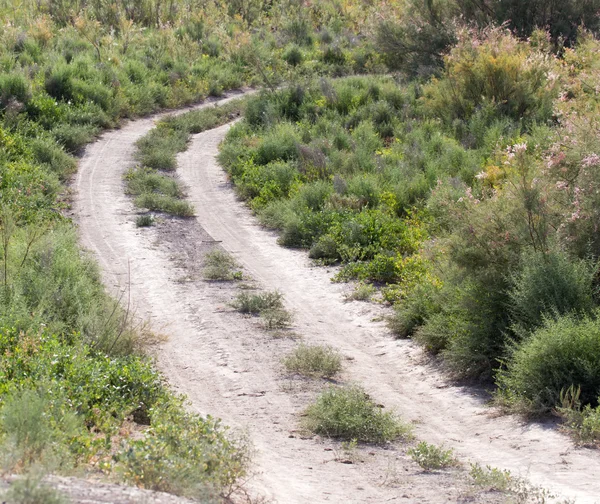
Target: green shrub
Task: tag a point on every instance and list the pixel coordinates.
(47, 152)
(334, 55)
(279, 145)
(256, 303)
(550, 285)
(219, 265)
(362, 292)
(416, 44)
(298, 31)
(30, 489)
(15, 87)
(292, 55)
(38, 429)
(145, 220)
(325, 249)
(59, 83)
(74, 137)
(497, 70)
(314, 361)
(492, 478)
(276, 318)
(349, 413)
(183, 454)
(431, 457)
(412, 311)
(146, 180)
(584, 424)
(563, 353)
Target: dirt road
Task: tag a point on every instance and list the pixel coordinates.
(229, 367)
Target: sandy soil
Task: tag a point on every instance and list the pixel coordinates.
(230, 367)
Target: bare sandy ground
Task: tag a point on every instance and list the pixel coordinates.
(230, 367)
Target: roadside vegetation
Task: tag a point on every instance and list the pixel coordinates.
(152, 183)
(464, 190)
(465, 187)
(348, 413)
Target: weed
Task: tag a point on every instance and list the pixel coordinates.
(349, 452)
(349, 413)
(276, 318)
(145, 220)
(167, 204)
(256, 303)
(32, 490)
(314, 361)
(219, 265)
(431, 457)
(38, 430)
(362, 292)
(491, 478)
(583, 423)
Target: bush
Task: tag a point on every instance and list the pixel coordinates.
(349, 413)
(292, 55)
(411, 312)
(144, 220)
(314, 361)
(279, 145)
(417, 43)
(563, 353)
(362, 292)
(431, 457)
(493, 69)
(256, 303)
(32, 490)
(183, 454)
(74, 137)
(219, 265)
(276, 318)
(492, 478)
(47, 152)
(148, 181)
(14, 87)
(550, 285)
(59, 83)
(38, 429)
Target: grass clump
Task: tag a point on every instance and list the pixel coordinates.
(220, 266)
(254, 304)
(268, 305)
(349, 413)
(491, 477)
(163, 203)
(362, 292)
(276, 318)
(146, 220)
(431, 457)
(32, 490)
(314, 361)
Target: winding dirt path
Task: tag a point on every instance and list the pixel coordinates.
(230, 368)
